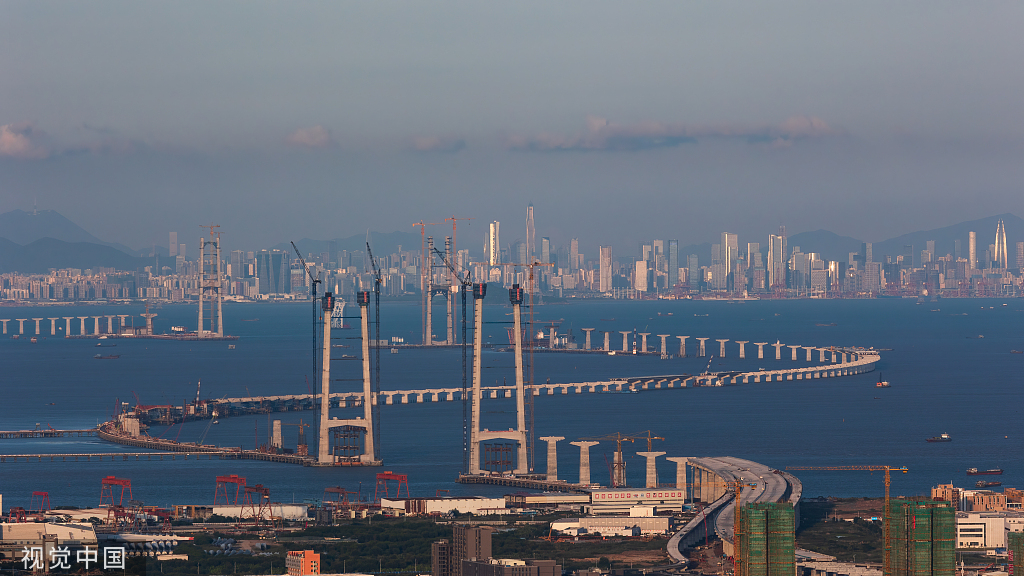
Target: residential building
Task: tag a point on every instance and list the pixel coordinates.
(302, 563)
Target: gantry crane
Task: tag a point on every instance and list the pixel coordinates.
(870, 468)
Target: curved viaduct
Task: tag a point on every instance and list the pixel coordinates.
(719, 512)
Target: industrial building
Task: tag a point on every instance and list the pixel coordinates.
(922, 534)
(296, 512)
(621, 500)
(16, 537)
(764, 539)
(508, 567)
(443, 505)
(547, 500)
(638, 525)
(986, 529)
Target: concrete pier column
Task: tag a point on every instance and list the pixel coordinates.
(82, 327)
(625, 340)
(682, 346)
(110, 324)
(702, 351)
(552, 456)
(588, 331)
(643, 340)
(67, 325)
(4, 322)
(743, 347)
(760, 349)
(96, 324)
(584, 460)
(53, 326)
(680, 462)
(833, 356)
(721, 347)
(275, 435)
(793, 350)
(607, 341)
(38, 320)
(664, 345)
(652, 468)
(778, 350)
(821, 354)
(809, 349)
(21, 325)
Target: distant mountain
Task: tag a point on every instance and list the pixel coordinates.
(39, 256)
(24, 228)
(381, 243)
(944, 238)
(829, 245)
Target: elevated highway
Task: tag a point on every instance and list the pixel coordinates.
(769, 485)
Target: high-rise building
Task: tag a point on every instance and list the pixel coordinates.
(172, 244)
(730, 252)
(1020, 254)
(640, 276)
(531, 236)
(494, 244)
(765, 544)
(958, 251)
(1015, 551)
(605, 281)
(181, 250)
(469, 543)
(923, 535)
(574, 254)
(302, 563)
(673, 263)
(1001, 258)
(776, 261)
(693, 271)
(972, 250)
(273, 272)
(545, 250)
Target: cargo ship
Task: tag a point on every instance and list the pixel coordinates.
(941, 438)
(989, 472)
(107, 357)
(987, 484)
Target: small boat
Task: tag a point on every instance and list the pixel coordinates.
(250, 319)
(990, 472)
(34, 340)
(1016, 352)
(829, 324)
(944, 437)
(231, 346)
(102, 345)
(107, 357)
(881, 383)
(987, 484)
(394, 350)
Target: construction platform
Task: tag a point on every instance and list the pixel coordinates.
(47, 433)
(533, 483)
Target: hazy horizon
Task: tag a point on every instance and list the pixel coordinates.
(618, 122)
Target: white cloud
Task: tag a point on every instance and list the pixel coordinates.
(312, 137)
(16, 141)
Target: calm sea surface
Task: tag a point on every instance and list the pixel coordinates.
(945, 378)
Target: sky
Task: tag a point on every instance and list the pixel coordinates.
(619, 121)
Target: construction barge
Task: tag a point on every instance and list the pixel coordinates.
(534, 482)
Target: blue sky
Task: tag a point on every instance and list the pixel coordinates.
(619, 121)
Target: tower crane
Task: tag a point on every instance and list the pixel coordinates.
(465, 281)
(870, 468)
(375, 406)
(530, 438)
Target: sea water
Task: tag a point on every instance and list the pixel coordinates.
(950, 366)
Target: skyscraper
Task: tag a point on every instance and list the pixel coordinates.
(531, 236)
(730, 252)
(972, 250)
(640, 276)
(776, 261)
(574, 253)
(172, 245)
(1001, 258)
(693, 278)
(494, 244)
(605, 280)
(673, 263)
(545, 250)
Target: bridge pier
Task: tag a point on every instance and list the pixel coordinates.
(122, 317)
(778, 350)
(793, 350)
(96, 324)
(821, 355)
(552, 441)
(652, 468)
(808, 349)
(680, 462)
(702, 352)
(743, 348)
(833, 356)
(110, 323)
(664, 347)
(53, 326)
(682, 346)
(760, 349)
(82, 327)
(625, 340)
(607, 342)
(721, 347)
(643, 339)
(584, 460)
(587, 331)
(67, 325)
(37, 320)
(21, 325)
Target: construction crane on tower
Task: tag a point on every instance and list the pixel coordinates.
(375, 406)
(529, 342)
(888, 480)
(465, 281)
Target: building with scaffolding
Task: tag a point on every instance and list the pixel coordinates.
(764, 539)
(922, 538)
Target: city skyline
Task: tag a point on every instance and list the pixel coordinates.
(676, 117)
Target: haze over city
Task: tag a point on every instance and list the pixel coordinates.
(620, 123)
